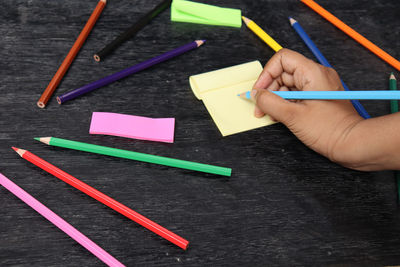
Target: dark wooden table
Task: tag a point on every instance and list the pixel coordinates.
(284, 204)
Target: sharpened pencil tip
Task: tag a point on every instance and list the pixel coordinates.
(45, 140)
(246, 20)
(245, 95)
(200, 42)
(292, 21)
(392, 77)
(20, 152)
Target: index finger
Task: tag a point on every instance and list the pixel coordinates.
(284, 61)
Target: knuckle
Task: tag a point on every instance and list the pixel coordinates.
(333, 78)
(333, 73)
(284, 52)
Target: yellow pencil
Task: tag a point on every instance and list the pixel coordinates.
(262, 34)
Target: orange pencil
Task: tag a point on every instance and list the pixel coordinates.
(352, 33)
(71, 55)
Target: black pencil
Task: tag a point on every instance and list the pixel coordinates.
(131, 31)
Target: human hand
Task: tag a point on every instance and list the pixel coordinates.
(322, 125)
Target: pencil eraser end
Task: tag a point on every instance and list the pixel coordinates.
(40, 104)
(96, 57)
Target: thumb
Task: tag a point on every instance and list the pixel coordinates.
(275, 106)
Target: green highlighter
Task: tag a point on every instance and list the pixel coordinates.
(192, 12)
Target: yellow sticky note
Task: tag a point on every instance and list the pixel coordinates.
(219, 92)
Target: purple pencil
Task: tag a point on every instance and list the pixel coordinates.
(128, 71)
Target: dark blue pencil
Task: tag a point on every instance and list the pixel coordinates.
(317, 53)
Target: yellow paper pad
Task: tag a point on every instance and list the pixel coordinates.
(219, 89)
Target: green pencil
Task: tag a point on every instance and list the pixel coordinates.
(394, 107)
(120, 153)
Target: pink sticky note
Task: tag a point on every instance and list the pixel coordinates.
(143, 128)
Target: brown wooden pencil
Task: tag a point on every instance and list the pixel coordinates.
(71, 55)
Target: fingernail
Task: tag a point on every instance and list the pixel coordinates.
(258, 114)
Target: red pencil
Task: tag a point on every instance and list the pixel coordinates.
(106, 200)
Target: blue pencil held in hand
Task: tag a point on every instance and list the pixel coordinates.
(333, 95)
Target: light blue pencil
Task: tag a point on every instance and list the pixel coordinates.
(317, 53)
(334, 95)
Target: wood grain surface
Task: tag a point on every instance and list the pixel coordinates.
(284, 205)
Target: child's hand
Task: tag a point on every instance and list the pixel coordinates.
(323, 125)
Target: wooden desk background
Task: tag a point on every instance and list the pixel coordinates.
(284, 205)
